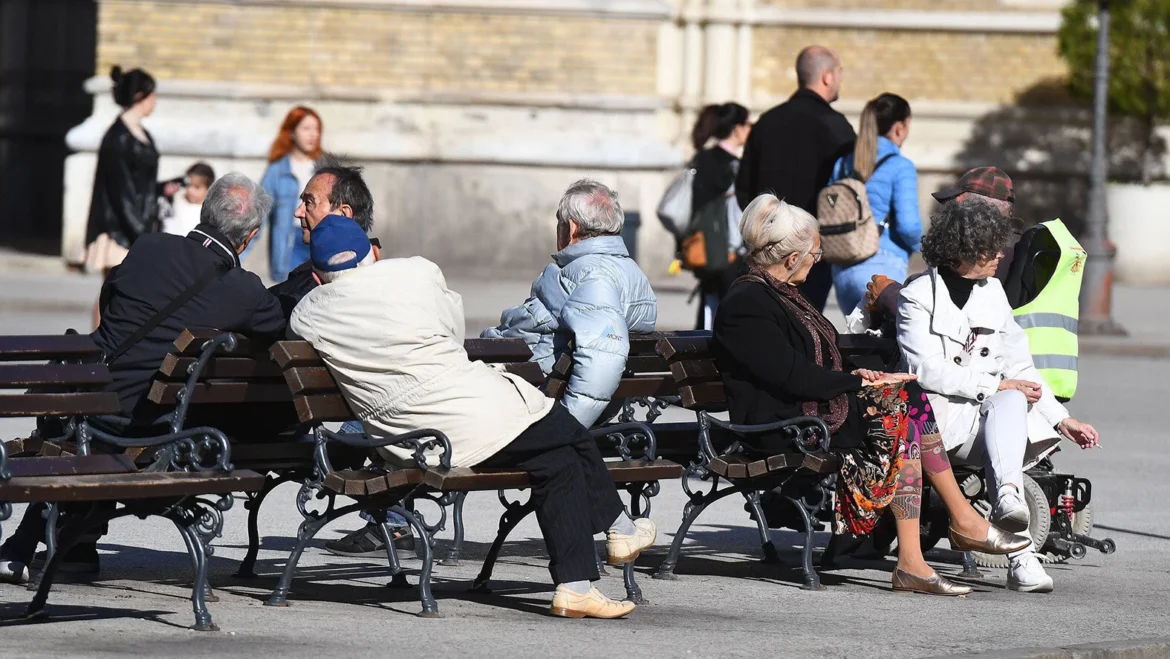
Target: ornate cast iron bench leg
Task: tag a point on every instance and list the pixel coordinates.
(308, 528)
(457, 546)
(514, 511)
(430, 609)
(247, 569)
(52, 514)
(195, 548)
(397, 576)
(970, 569)
(70, 534)
(769, 548)
(812, 580)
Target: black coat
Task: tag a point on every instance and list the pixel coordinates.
(298, 284)
(791, 151)
(125, 187)
(714, 174)
(158, 269)
(765, 356)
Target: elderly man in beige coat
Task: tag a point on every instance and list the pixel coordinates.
(391, 332)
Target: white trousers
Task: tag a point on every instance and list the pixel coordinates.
(1001, 441)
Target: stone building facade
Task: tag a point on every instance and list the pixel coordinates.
(471, 116)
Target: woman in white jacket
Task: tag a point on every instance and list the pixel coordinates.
(956, 332)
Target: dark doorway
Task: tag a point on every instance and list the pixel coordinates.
(47, 51)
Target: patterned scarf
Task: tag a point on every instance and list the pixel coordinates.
(823, 335)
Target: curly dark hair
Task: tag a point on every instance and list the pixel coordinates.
(962, 233)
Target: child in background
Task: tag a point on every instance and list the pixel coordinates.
(181, 214)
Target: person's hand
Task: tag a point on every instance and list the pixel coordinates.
(873, 290)
(171, 188)
(1031, 390)
(1082, 433)
(874, 378)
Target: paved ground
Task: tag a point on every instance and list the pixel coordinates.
(726, 603)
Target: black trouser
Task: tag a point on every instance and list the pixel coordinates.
(574, 496)
(816, 286)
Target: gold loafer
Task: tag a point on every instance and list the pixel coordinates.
(935, 584)
(998, 542)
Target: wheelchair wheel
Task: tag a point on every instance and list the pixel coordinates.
(1038, 527)
(1082, 524)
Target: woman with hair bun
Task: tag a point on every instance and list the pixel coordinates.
(125, 185)
(713, 191)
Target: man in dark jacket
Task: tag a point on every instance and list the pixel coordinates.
(160, 268)
(793, 146)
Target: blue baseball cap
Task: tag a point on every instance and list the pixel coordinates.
(337, 243)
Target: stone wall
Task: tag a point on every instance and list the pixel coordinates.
(379, 48)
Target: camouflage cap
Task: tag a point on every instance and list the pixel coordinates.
(989, 182)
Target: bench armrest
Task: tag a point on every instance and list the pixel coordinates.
(195, 449)
(417, 440)
(626, 435)
(225, 342)
(808, 434)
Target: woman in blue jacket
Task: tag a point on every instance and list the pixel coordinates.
(891, 183)
(291, 163)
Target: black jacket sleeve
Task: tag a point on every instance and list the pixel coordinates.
(126, 200)
(750, 335)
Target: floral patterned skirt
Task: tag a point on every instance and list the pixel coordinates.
(868, 477)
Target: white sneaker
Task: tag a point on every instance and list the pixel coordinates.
(1026, 575)
(14, 572)
(1011, 511)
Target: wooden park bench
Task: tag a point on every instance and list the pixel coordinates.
(99, 488)
(800, 470)
(318, 400)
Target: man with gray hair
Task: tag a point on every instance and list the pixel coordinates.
(200, 271)
(592, 294)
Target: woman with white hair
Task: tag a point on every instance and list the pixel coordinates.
(779, 359)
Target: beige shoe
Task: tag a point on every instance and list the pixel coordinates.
(568, 604)
(621, 549)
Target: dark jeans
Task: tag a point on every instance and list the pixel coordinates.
(816, 287)
(574, 496)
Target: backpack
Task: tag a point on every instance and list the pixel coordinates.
(849, 233)
(674, 211)
(706, 243)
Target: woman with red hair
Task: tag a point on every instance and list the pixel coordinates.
(291, 163)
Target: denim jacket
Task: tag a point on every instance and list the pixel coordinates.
(286, 250)
(893, 193)
(595, 293)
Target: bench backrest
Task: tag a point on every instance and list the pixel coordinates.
(317, 398)
(647, 373)
(53, 376)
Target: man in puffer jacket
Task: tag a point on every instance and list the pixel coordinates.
(593, 294)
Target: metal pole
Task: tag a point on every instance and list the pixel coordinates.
(1097, 286)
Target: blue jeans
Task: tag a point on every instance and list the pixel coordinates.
(850, 281)
(397, 521)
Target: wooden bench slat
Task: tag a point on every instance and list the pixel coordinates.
(473, 478)
(706, 395)
(638, 364)
(19, 376)
(70, 466)
(694, 371)
(530, 371)
(190, 342)
(646, 385)
(23, 445)
(497, 350)
(254, 367)
(221, 391)
(309, 379)
(45, 348)
(89, 402)
(696, 345)
(289, 354)
(124, 487)
(328, 407)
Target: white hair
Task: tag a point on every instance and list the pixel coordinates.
(235, 206)
(773, 229)
(594, 207)
(327, 277)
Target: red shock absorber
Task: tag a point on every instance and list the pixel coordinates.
(1068, 502)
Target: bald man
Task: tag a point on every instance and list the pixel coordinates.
(793, 146)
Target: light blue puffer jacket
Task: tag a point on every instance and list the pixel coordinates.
(592, 292)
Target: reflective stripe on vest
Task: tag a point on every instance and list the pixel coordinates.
(1051, 320)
